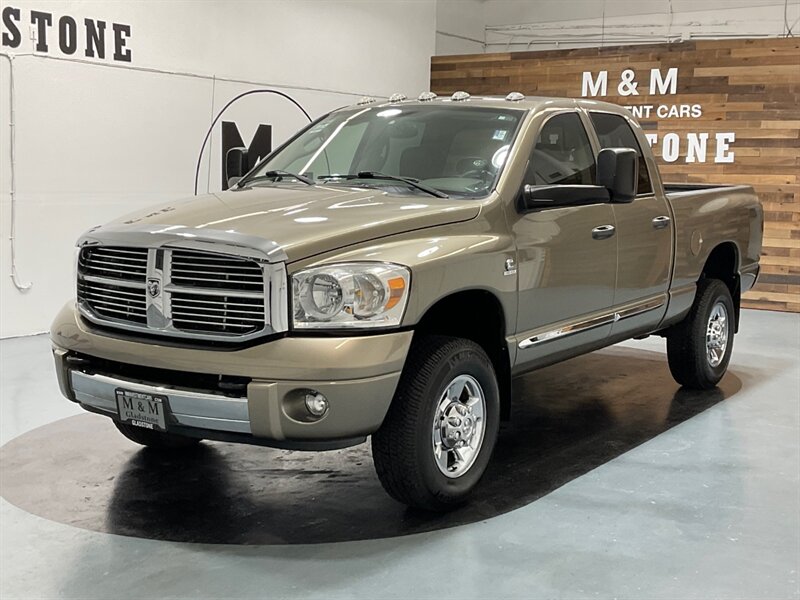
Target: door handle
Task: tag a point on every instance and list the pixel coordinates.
(603, 231)
(661, 222)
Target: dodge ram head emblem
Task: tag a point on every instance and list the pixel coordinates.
(153, 287)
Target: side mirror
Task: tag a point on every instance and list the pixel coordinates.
(551, 196)
(618, 172)
(236, 165)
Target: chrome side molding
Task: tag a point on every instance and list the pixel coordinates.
(624, 312)
(576, 327)
(640, 307)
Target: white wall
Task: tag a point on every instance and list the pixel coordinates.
(460, 26)
(97, 139)
(514, 25)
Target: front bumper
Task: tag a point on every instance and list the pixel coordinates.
(358, 375)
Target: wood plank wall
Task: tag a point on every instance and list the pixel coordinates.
(749, 87)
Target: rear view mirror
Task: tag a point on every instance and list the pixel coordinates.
(551, 196)
(618, 172)
(236, 165)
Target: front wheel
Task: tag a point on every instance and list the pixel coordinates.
(441, 428)
(699, 349)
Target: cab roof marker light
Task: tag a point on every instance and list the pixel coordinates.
(365, 100)
(397, 97)
(460, 96)
(426, 96)
(515, 97)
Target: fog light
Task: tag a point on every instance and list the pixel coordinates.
(316, 404)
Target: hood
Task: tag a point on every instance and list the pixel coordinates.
(300, 219)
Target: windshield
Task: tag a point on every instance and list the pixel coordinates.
(457, 151)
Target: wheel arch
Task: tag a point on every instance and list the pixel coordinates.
(455, 315)
(723, 264)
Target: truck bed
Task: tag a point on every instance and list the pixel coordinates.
(704, 213)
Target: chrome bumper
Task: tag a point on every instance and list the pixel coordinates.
(188, 408)
(358, 375)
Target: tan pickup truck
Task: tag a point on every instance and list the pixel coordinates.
(389, 270)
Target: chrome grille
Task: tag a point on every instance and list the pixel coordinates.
(221, 314)
(114, 301)
(115, 263)
(111, 281)
(178, 292)
(199, 269)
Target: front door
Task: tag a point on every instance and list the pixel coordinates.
(567, 257)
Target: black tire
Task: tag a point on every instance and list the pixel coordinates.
(686, 343)
(402, 448)
(158, 440)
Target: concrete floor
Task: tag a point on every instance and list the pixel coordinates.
(708, 508)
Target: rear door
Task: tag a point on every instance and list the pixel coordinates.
(644, 237)
(566, 265)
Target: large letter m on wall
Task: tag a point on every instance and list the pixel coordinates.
(594, 87)
(259, 147)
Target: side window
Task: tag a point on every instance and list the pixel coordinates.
(562, 154)
(615, 132)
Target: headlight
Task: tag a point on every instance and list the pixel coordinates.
(350, 295)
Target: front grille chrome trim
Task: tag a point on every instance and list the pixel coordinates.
(139, 285)
(241, 296)
(172, 288)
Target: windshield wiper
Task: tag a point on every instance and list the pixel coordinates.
(277, 175)
(378, 175)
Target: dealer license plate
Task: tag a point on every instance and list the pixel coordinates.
(142, 410)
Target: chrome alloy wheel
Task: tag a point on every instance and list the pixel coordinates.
(458, 426)
(717, 334)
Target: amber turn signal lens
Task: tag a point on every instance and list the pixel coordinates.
(396, 289)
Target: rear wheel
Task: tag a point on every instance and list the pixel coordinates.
(699, 349)
(438, 436)
(156, 439)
